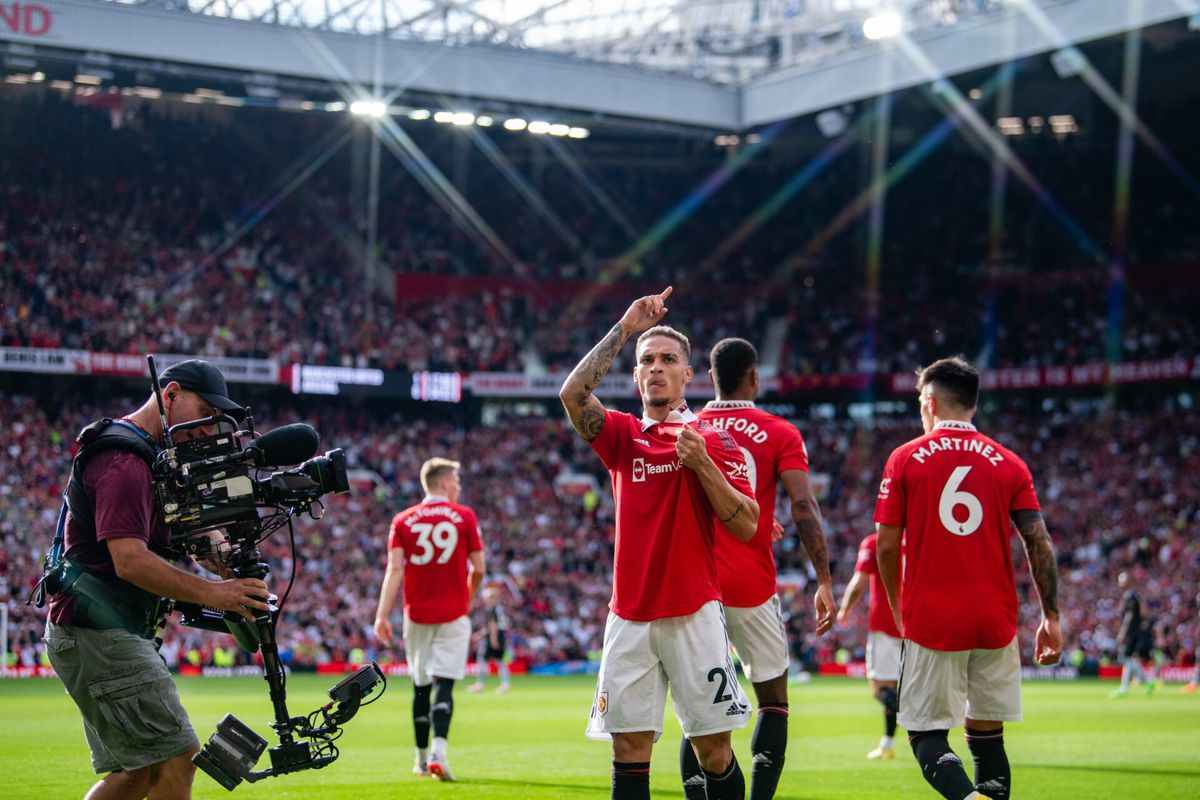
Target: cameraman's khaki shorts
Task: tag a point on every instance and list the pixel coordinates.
(132, 716)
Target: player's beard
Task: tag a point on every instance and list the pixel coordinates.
(658, 402)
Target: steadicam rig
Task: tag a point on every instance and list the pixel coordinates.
(217, 503)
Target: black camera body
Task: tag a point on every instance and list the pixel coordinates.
(207, 483)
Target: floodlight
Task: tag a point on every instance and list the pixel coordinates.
(883, 25)
(368, 108)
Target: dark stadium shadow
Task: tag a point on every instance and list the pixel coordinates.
(1171, 773)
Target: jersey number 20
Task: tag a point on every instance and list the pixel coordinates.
(952, 498)
(431, 538)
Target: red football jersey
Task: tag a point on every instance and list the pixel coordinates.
(436, 536)
(952, 491)
(664, 564)
(770, 445)
(879, 611)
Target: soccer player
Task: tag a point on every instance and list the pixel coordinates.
(774, 452)
(436, 553)
(1129, 638)
(675, 479)
(950, 494)
(492, 642)
(883, 641)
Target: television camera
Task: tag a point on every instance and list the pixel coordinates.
(218, 505)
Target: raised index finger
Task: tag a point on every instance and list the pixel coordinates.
(666, 293)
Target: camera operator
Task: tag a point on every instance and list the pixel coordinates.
(101, 641)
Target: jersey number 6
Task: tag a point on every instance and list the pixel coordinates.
(443, 537)
(951, 498)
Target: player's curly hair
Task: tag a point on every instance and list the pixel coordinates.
(731, 360)
(670, 333)
(954, 376)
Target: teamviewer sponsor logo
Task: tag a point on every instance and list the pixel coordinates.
(641, 469)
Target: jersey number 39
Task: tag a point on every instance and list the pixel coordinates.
(439, 540)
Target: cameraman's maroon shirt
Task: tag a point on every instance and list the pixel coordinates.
(119, 484)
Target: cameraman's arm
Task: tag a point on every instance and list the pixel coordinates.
(135, 563)
(478, 570)
(392, 579)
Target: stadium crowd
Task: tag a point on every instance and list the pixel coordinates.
(130, 241)
(1113, 483)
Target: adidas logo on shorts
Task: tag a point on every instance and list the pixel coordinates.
(735, 709)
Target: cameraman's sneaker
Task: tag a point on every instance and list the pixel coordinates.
(441, 771)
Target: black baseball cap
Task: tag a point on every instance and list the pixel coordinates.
(205, 380)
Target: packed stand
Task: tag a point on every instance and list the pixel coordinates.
(184, 235)
(1113, 485)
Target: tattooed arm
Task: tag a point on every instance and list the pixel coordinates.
(1044, 568)
(806, 514)
(585, 411)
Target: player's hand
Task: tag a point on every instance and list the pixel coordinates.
(691, 449)
(240, 595)
(646, 312)
(898, 621)
(383, 631)
(1048, 643)
(823, 606)
(842, 615)
(776, 530)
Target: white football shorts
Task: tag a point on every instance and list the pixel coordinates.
(689, 653)
(883, 657)
(759, 639)
(939, 689)
(437, 651)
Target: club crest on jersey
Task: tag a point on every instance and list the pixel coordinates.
(601, 703)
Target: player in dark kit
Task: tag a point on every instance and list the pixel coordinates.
(675, 480)
(774, 452)
(1129, 639)
(950, 494)
(492, 642)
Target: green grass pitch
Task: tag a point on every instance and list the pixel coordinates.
(1075, 743)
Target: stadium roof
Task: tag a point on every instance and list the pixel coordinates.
(723, 41)
(724, 66)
